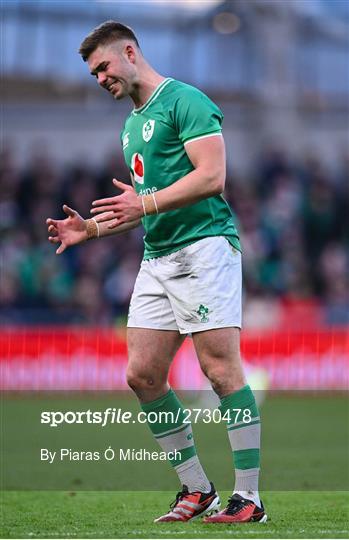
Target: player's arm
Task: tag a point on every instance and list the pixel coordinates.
(206, 179)
(75, 229)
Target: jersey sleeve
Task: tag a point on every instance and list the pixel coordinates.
(196, 116)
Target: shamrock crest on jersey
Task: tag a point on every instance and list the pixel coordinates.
(148, 130)
(156, 156)
(137, 164)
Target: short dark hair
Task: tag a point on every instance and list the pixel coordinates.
(104, 34)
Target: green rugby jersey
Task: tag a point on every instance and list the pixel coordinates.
(153, 141)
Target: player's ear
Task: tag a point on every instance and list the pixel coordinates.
(130, 53)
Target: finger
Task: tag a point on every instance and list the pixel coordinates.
(108, 200)
(54, 239)
(106, 216)
(61, 249)
(69, 211)
(100, 209)
(121, 219)
(114, 224)
(52, 230)
(51, 221)
(118, 215)
(121, 185)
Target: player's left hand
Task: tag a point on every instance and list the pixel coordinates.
(126, 207)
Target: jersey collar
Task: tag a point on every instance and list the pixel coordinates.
(153, 96)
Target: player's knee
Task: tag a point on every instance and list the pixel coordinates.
(223, 378)
(142, 381)
(216, 376)
(134, 380)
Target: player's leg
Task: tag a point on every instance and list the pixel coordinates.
(206, 295)
(150, 354)
(153, 340)
(218, 351)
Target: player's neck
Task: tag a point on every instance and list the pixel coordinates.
(149, 80)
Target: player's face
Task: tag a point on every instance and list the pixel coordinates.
(113, 66)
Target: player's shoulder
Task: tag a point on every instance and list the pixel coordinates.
(179, 90)
(180, 101)
(180, 87)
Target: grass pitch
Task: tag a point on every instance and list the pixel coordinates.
(131, 514)
(305, 441)
(305, 450)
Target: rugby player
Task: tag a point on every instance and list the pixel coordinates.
(189, 281)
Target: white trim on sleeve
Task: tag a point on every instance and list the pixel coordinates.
(203, 137)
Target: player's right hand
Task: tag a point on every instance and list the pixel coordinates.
(67, 232)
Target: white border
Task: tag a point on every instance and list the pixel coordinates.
(204, 137)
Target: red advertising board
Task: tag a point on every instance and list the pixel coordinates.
(95, 359)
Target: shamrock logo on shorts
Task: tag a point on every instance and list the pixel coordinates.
(203, 311)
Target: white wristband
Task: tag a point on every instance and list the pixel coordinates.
(144, 212)
(155, 203)
(96, 222)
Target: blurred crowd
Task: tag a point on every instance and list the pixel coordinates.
(293, 219)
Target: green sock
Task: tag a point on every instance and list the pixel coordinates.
(243, 424)
(172, 433)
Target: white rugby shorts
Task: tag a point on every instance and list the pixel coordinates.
(194, 289)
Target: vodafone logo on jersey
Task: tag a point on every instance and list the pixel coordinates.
(137, 164)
